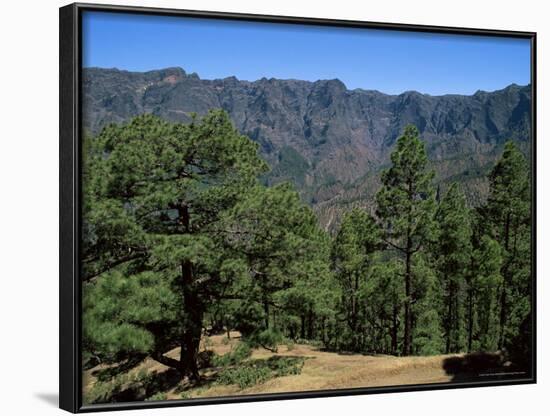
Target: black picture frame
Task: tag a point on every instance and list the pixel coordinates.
(70, 64)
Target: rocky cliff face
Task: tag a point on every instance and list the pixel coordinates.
(330, 141)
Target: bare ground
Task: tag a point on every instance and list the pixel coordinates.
(321, 371)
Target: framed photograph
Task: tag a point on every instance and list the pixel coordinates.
(263, 207)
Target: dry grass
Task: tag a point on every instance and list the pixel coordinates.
(321, 371)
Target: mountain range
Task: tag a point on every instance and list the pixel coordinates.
(331, 142)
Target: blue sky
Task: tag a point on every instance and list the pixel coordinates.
(388, 61)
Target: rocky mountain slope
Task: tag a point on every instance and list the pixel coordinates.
(330, 141)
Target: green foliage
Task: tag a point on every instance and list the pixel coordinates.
(406, 208)
(508, 220)
(291, 165)
(485, 285)
(119, 308)
(102, 392)
(156, 396)
(258, 371)
(267, 338)
(108, 391)
(175, 222)
(406, 200)
(154, 192)
(285, 366)
(454, 251)
(244, 376)
(352, 253)
(181, 240)
(427, 335)
(285, 255)
(384, 296)
(357, 239)
(238, 353)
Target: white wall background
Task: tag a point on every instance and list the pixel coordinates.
(29, 211)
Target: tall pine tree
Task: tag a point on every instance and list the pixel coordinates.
(453, 250)
(406, 207)
(154, 194)
(508, 211)
(352, 253)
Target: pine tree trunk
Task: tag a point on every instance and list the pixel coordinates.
(450, 315)
(470, 319)
(310, 329)
(266, 313)
(193, 313)
(503, 306)
(502, 318)
(394, 331)
(407, 341)
(191, 334)
(470, 305)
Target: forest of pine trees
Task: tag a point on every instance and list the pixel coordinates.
(180, 238)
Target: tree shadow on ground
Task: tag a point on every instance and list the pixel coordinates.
(124, 387)
(274, 366)
(105, 374)
(205, 382)
(361, 353)
(123, 382)
(278, 362)
(481, 367)
(154, 383)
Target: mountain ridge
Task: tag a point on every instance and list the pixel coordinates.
(331, 142)
(233, 77)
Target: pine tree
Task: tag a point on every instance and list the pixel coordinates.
(154, 192)
(180, 238)
(427, 335)
(508, 212)
(383, 296)
(453, 248)
(406, 207)
(483, 290)
(284, 251)
(354, 244)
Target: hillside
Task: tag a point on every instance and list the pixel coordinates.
(331, 142)
(321, 370)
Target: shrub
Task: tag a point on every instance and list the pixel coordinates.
(268, 339)
(104, 391)
(237, 354)
(245, 376)
(156, 396)
(123, 387)
(285, 366)
(311, 342)
(259, 371)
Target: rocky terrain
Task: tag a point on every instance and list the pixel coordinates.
(329, 141)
